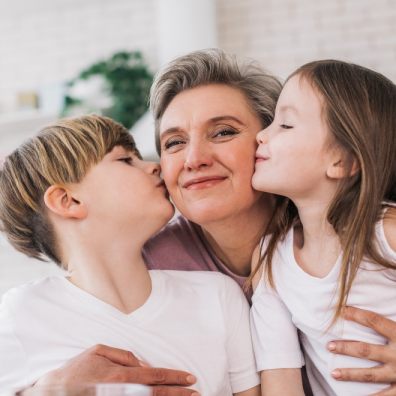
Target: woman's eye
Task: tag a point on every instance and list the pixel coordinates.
(172, 143)
(285, 126)
(225, 132)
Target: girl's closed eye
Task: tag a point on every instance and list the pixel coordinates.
(285, 126)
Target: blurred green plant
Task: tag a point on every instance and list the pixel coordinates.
(127, 81)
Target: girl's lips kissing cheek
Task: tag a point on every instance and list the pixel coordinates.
(203, 182)
(261, 158)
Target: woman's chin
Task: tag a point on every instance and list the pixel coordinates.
(206, 215)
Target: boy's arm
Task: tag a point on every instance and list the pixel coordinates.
(383, 354)
(281, 382)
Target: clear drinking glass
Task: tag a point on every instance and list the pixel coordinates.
(88, 390)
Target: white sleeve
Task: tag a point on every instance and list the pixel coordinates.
(13, 362)
(275, 338)
(241, 364)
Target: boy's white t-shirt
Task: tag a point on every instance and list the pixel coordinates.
(192, 321)
(307, 303)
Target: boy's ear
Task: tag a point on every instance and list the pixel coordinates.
(342, 168)
(60, 200)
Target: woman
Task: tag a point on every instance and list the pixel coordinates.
(207, 110)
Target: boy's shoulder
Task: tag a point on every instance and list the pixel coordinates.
(198, 277)
(209, 281)
(23, 297)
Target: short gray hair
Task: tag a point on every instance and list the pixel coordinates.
(214, 66)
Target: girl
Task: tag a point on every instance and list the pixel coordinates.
(80, 194)
(331, 151)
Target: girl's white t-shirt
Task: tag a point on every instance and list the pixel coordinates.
(301, 308)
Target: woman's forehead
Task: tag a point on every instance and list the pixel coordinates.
(209, 103)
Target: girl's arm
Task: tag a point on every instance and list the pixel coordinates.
(250, 392)
(282, 382)
(275, 340)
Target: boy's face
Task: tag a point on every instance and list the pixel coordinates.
(125, 193)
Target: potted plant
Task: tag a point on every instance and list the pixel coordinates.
(117, 87)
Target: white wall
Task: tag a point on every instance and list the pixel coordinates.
(45, 41)
(284, 34)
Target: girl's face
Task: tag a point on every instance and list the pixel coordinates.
(208, 144)
(294, 153)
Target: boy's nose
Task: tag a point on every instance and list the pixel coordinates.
(153, 168)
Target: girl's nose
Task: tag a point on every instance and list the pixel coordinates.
(262, 136)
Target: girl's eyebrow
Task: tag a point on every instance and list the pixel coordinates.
(293, 109)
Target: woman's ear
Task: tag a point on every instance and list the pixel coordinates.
(59, 200)
(342, 167)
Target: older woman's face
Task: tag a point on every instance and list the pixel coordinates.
(208, 143)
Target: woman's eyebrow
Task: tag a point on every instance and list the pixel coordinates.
(170, 130)
(226, 118)
(212, 120)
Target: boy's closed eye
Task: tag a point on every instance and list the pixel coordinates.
(128, 160)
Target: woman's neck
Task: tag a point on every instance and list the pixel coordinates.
(112, 272)
(233, 240)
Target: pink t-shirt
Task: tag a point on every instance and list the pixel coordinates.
(180, 245)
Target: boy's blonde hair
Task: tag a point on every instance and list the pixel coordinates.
(61, 153)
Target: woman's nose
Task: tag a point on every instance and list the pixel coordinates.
(197, 156)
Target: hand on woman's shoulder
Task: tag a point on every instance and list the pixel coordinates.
(390, 227)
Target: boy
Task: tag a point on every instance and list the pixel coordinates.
(80, 194)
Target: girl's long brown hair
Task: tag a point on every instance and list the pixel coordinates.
(360, 111)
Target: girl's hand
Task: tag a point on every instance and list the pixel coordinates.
(384, 354)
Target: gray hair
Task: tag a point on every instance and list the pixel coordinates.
(214, 66)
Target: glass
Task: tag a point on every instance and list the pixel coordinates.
(88, 390)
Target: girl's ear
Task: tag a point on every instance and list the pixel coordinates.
(342, 168)
(59, 200)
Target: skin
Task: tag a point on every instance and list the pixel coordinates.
(297, 158)
(131, 194)
(78, 214)
(207, 160)
(236, 253)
